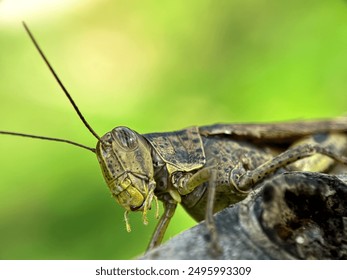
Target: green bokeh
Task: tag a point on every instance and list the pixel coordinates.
(153, 66)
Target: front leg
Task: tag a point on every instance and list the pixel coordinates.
(169, 210)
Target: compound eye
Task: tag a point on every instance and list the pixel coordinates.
(108, 138)
(125, 137)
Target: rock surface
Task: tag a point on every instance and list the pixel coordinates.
(295, 215)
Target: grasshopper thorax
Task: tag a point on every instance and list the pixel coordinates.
(126, 163)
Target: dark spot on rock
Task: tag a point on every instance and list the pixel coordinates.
(207, 237)
(268, 194)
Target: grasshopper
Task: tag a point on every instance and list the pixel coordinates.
(204, 168)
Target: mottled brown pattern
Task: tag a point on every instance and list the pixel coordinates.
(225, 154)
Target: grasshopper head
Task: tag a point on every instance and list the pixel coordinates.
(126, 163)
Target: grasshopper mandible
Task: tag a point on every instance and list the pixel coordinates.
(204, 168)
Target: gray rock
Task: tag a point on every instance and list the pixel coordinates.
(295, 215)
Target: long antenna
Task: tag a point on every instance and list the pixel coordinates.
(47, 138)
(60, 83)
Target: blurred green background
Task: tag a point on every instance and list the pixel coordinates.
(153, 66)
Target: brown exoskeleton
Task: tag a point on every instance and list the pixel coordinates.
(205, 168)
